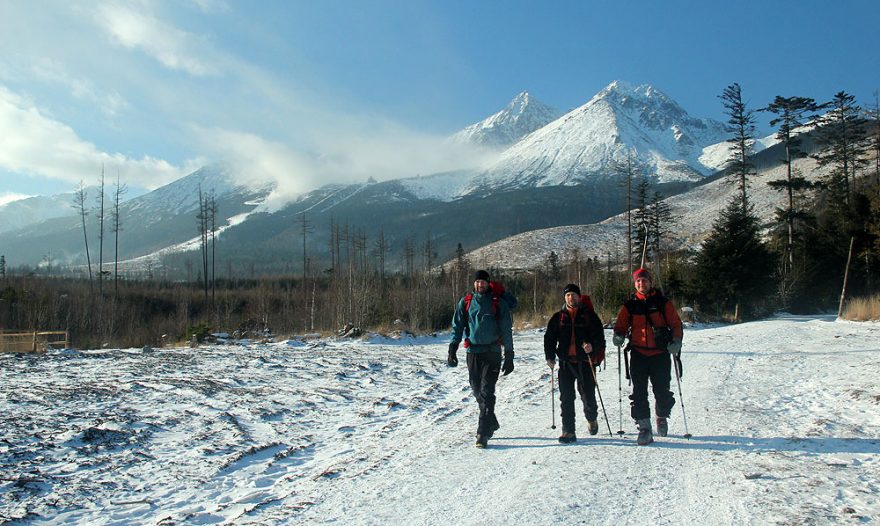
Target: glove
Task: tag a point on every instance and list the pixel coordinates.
(598, 356)
(674, 347)
(551, 364)
(507, 368)
(451, 359)
(618, 339)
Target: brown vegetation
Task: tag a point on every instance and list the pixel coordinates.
(863, 309)
(156, 313)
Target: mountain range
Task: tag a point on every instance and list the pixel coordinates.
(550, 169)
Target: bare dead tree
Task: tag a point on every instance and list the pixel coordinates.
(202, 220)
(79, 202)
(117, 226)
(305, 228)
(381, 252)
(213, 212)
(628, 169)
(99, 208)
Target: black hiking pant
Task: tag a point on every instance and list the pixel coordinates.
(483, 370)
(579, 372)
(656, 369)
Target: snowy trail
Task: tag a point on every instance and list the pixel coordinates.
(785, 417)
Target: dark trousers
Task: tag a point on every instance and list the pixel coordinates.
(656, 369)
(483, 369)
(569, 373)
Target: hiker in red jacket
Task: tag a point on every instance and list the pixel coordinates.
(575, 336)
(655, 334)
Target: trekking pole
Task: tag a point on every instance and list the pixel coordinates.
(681, 400)
(620, 430)
(552, 401)
(596, 381)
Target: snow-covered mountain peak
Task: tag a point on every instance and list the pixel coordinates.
(522, 115)
(218, 179)
(584, 144)
(519, 104)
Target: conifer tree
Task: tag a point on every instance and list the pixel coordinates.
(741, 124)
(553, 268)
(841, 135)
(734, 269)
(873, 114)
(641, 221)
(628, 170)
(792, 116)
(660, 222)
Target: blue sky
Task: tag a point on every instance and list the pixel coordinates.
(308, 92)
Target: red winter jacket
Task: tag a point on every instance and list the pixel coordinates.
(634, 315)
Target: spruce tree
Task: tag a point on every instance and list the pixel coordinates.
(873, 114)
(660, 223)
(841, 135)
(641, 220)
(741, 125)
(734, 269)
(791, 114)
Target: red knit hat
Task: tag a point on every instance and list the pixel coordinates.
(643, 273)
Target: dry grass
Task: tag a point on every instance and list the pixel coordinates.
(863, 309)
(527, 319)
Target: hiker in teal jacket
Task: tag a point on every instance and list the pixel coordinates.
(482, 318)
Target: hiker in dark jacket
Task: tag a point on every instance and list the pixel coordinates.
(655, 334)
(575, 336)
(482, 319)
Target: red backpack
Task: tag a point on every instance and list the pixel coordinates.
(497, 291)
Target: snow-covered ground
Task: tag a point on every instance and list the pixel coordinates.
(785, 417)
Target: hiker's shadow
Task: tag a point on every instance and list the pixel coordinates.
(539, 442)
(708, 443)
(772, 444)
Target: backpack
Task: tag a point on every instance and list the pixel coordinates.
(584, 302)
(498, 294)
(654, 303)
(587, 304)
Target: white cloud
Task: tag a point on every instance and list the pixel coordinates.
(348, 156)
(212, 6)
(289, 129)
(9, 197)
(174, 48)
(36, 144)
(111, 103)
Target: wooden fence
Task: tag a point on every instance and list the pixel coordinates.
(34, 341)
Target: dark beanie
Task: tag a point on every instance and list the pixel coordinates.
(481, 274)
(571, 287)
(643, 273)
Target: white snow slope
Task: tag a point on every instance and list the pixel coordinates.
(522, 115)
(695, 211)
(784, 416)
(585, 143)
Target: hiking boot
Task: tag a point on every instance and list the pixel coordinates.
(645, 434)
(482, 441)
(662, 426)
(493, 426)
(594, 426)
(567, 438)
